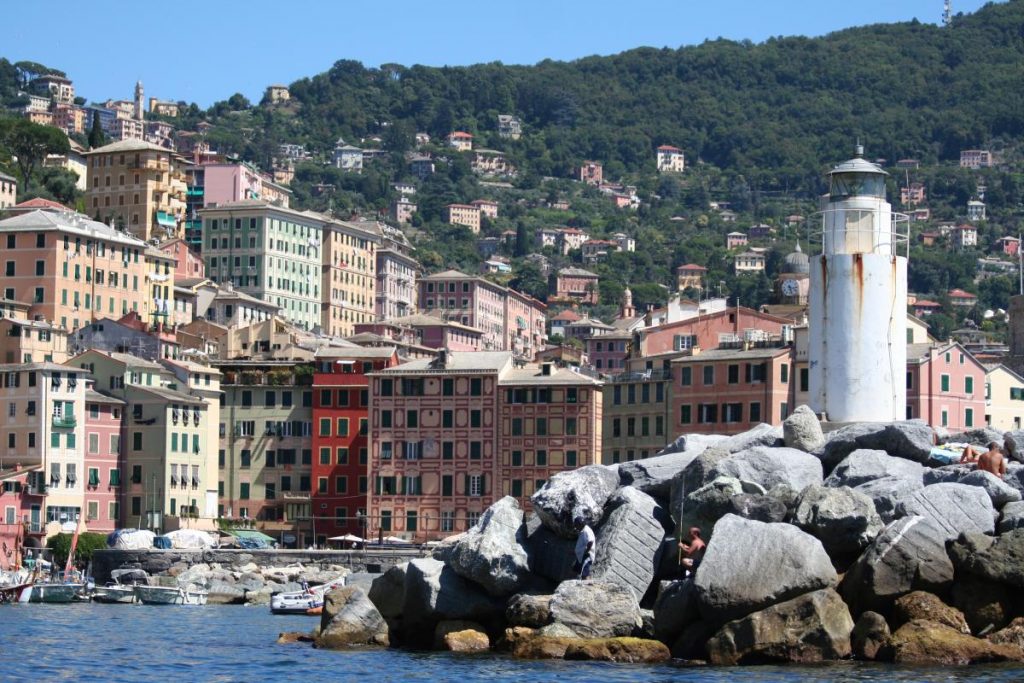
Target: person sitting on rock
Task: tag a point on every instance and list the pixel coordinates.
(992, 460)
(585, 551)
(693, 552)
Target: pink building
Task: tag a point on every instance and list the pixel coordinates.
(507, 319)
(591, 173)
(1008, 245)
(188, 264)
(577, 284)
(426, 330)
(607, 353)
(728, 391)
(735, 240)
(103, 461)
(710, 331)
(945, 386)
(227, 183)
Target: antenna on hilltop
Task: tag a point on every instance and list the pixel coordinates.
(947, 12)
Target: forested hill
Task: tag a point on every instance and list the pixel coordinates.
(782, 108)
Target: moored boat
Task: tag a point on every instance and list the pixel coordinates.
(161, 595)
(114, 594)
(55, 593)
(307, 601)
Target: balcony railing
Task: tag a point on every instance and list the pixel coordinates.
(64, 422)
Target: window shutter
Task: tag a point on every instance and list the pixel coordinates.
(483, 484)
(465, 482)
(746, 373)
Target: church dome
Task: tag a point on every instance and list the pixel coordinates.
(797, 262)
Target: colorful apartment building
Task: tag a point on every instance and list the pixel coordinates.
(509, 320)
(268, 252)
(138, 185)
(429, 331)
(1004, 398)
(226, 183)
(396, 284)
(488, 207)
(402, 209)
(460, 140)
(349, 276)
(187, 263)
(638, 418)
(945, 386)
(728, 391)
(341, 413)
(164, 443)
(577, 284)
(976, 158)
(104, 464)
(710, 330)
(73, 270)
(463, 214)
(266, 445)
(690, 276)
(32, 341)
(45, 405)
(451, 435)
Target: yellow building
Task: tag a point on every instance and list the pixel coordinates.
(139, 186)
(349, 277)
(1004, 398)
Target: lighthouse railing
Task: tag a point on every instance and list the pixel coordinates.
(862, 232)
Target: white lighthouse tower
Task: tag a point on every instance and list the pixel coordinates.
(858, 301)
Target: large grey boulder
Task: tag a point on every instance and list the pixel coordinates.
(979, 437)
(490, 553)
(551, 556)
(912, 439)
(596, 609)
(692, 443)
(387, 592)
(999, 559)
(760, 435)
(954, 508)
(532, 611)
(654, 475)
(763, 508)
(909, 554)
(864, 465)
(349, 618)
(434, 592)
(999, 492)
(814, 627)
(770, 467)
(844, 520)
(575, 493)
(947, 474)
(802, 430)
(1013, 442)
(705, 506)
(696, 475)
(628, 543)
(1011, 517)
(675, 608)
(750, 565)
(887, 493)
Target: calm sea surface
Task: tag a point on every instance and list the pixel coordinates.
(217, 643)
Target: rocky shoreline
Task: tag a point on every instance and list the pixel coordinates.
(821, 546)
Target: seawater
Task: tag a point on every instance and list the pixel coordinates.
(87, 642)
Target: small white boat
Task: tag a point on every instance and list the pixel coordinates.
(114, 594)
(160, 595)
(307, 601)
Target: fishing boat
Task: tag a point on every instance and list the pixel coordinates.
(162, 595)
(121, 590)
(306, 601)
(15, 586)
(55, 593)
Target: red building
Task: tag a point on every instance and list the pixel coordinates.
(341, 437)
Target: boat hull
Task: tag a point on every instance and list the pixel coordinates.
(114, 596)
(159, 595)
(55, 593)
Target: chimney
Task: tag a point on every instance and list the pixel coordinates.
(442, 358)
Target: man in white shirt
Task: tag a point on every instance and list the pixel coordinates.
(585, 551)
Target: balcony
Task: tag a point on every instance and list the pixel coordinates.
(64, 422)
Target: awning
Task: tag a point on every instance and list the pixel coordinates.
(166, 219)
(255, 535)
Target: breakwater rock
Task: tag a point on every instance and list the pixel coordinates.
(821, 545)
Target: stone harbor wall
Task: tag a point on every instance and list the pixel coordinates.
(234, 576)
(823, 544)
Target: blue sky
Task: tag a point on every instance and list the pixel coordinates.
(205, 51)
